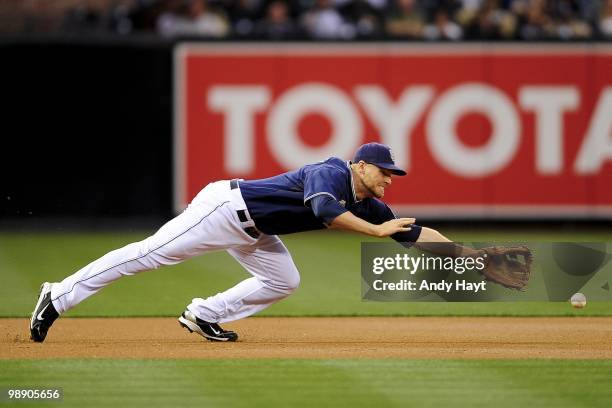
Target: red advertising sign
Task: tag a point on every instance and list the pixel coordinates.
(483, 130)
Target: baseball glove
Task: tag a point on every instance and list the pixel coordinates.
(508, 266)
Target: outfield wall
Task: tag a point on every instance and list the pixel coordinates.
(484, 130)
(86, 128)
(135, 127)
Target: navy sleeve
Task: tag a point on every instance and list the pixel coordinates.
(324, 180)
(379, 212)
(326, 208)
(323, 188)
(408, 238)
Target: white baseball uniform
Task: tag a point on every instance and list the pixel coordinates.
(210, 223)
(244, 218)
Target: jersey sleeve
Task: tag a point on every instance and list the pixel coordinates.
(408, 238)
(323, 188)
(378, 212)
(326, 208)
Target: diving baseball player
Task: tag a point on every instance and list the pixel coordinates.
(245, 217)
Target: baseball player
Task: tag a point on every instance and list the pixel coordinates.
(245, 217)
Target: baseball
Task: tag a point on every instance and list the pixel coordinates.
(578, 300)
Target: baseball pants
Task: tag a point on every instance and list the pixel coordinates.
(210, 223)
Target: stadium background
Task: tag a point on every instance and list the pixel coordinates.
(89, 164)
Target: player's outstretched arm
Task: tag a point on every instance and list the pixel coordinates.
(348, 221)
(431, 235)
(430, 238)
(508, 266)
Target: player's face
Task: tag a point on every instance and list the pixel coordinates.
(376, 180)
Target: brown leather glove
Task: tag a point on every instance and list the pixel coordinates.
(508, 266)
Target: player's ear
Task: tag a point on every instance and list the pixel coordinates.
(362, 165)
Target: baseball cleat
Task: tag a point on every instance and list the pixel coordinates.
(44, 314)
(210, 331)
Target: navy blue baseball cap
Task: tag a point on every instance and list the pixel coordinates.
(378, 155)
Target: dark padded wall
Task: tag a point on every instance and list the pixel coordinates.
(86, 129)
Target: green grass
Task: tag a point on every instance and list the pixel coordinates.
(329, 264)
(312, 383)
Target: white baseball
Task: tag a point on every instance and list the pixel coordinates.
(578, 300)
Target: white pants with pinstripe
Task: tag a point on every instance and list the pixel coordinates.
(210, 223)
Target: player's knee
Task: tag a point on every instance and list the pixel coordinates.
(293, 282)
(288, 284)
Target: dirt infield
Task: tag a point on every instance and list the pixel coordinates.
(348, 337)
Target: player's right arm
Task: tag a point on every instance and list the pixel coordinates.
(348, 221)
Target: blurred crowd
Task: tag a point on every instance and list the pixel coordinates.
(316, 19)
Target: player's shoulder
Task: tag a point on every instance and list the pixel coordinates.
(378, 207)
(332, 166)
(373, 202)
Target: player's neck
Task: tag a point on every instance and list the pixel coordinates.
(361, 191)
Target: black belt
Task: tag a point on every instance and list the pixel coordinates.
(242, 214)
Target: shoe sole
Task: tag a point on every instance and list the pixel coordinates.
(41, 296)
(194, 328)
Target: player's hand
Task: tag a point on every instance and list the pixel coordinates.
(393, 226)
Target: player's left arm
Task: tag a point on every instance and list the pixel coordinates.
(425, 238)
(508, 266)
(429, 241)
